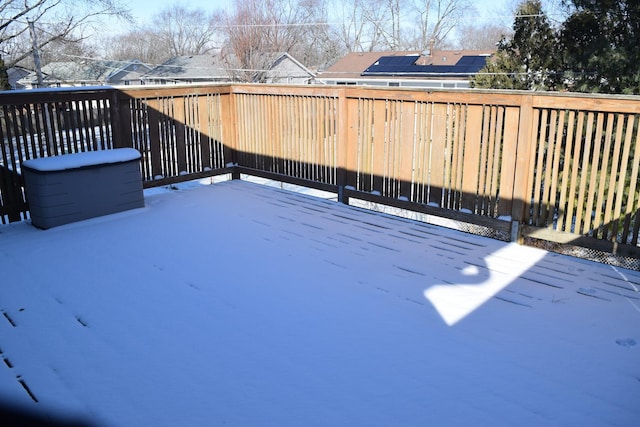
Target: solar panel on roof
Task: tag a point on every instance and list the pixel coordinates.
(406, 66)
(392, 64)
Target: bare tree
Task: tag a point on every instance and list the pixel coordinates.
(367, 25)
(358, 24)
(316, 46)
(481, 37)
(388, 22)
(174, 31)
(55, 20)
(184, 31)
(255, 31)
(245, 31)
(65, 50)
(436, 19)
(140, 44)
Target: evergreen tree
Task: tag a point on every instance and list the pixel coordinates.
(528, 60)
(600, 45)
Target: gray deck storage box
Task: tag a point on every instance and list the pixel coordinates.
(74, 187)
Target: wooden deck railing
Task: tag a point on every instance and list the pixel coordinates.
(556, 166)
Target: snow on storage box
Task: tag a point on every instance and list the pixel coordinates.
(74, 187)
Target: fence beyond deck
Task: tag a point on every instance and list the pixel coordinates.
(557, 167)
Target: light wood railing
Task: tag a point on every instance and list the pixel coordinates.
(558, 167)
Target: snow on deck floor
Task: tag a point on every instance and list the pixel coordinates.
(236, 304)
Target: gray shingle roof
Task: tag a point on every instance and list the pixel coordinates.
(190, 67)
(93, 71)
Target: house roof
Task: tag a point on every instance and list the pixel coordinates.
(216, 67)
(355, 65)
(284, 65)
(131, 70)
(94, 71)
(420, 66)
(70, 71)
(82, 71)
(190, 67)
(15, 74)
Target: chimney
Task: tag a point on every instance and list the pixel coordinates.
(426, 57)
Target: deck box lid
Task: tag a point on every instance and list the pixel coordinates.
(81, 160)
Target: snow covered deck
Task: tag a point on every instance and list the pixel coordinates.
(237, 304)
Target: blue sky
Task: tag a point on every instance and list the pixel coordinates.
(495, 11)
(144, 9)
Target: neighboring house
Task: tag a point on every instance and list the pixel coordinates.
(287, 70)
(216, 68)
(129, 73)
(431, 69)
(189, 69)
(16, 74)
(89, 73)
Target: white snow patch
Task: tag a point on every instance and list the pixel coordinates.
(84, 159)
(243, 305)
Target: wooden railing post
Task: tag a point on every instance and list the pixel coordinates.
(342, 144)
(523, 169)
(229, 132)
(121, 120)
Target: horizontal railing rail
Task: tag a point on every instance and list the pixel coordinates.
(560, 167)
